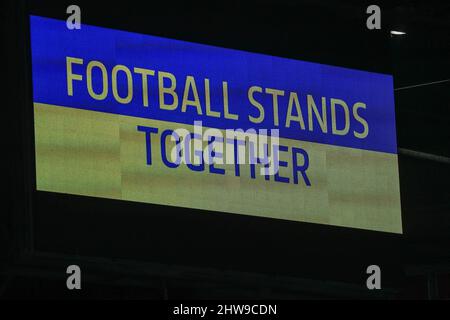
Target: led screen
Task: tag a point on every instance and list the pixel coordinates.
(135, 117)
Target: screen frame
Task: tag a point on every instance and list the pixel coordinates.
(24, 216)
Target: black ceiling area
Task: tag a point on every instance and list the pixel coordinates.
(130, 250)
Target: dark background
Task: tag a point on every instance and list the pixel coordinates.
(133, 250)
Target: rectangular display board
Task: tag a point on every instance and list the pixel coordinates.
(135, 117)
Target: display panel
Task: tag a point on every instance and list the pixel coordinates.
(107, 104)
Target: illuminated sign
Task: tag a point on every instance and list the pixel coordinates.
(135, 117)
